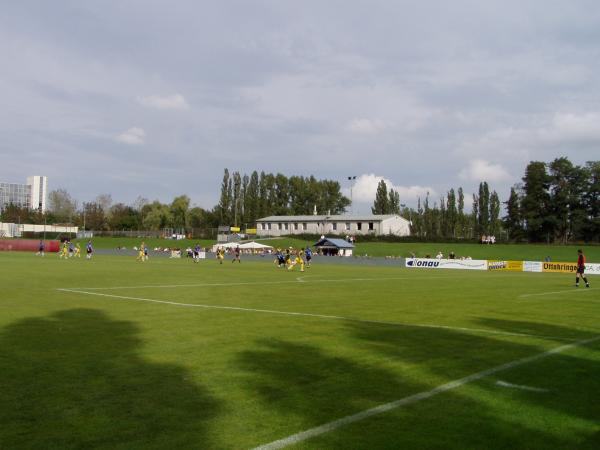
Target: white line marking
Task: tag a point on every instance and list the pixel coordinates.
(253, 283)
(320, 316)
(339, 423)
(300, 280)
(519, 386)
(564, 291)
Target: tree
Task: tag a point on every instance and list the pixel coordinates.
(224, 206)
(536, 202)
(252, 201)
(381, 203)
(513, 222)
(451, 213)
(462, 223)
(61, 205)
(157, 216)
(123, 217)
(94, 216)
(179, 211)
(483, 218)
(393, 202)
(494, 227)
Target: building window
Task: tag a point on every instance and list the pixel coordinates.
(295, 226)
(334, 226)
(285, 226)
(370, 226)
(269, 225)
(304, 226)
(347, 226)
(359, 226)
(279, 226)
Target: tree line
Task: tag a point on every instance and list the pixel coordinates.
(555, 202)
(244, 199)
(445, 217)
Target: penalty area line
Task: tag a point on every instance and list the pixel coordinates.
(344, 421)
(319, 316)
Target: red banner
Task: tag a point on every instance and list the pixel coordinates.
(27, 245)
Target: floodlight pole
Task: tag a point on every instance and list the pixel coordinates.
(351, 179)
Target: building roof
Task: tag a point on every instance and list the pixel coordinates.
(333, 242)
(332, 218)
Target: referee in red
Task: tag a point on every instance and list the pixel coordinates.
(581, 269)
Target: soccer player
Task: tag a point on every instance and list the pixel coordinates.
(297, 259)
(71, 249)
(308, 255)
(220, 255)
(236, 252)
(581, 269)
(77, 250)
(89, 250)
(64, 253)
(41, 249)
(197, 253)
(141, 252)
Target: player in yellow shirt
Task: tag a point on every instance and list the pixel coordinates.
(77, 250)
(141, 253)
(64, 253)
(296, 259)
(220, 255)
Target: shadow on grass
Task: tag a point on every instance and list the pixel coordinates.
(312, 387)
(75, 380)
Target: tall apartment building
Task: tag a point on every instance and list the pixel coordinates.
(31, 195)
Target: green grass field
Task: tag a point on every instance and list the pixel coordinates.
(170, 354)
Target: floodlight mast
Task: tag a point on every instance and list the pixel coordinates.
(351, 179)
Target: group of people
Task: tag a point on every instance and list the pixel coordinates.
(70, 250)
(293, 257)
(488, 239)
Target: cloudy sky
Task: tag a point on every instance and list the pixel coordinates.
(156, 98)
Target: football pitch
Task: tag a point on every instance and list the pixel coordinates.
(114, 353)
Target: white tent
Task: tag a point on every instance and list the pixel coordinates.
(254, 246)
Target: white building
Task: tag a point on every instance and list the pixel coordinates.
(31, 195)
(337, 224)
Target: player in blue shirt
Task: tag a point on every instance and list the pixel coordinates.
(308, 255)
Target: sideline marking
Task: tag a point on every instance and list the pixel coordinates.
(519, 386)
(339, 423)
(320, 316)
(558, 292)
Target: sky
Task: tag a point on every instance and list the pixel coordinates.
(155, 98)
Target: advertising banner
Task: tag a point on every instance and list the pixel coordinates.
(559, 267)
(592, 269)
(532, 266)
(570, 267)
(465, 264)
(512, 266)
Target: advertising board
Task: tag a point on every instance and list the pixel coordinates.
(559, 267)
(465, 264)
(532, 266)
(512, 266)
(570, 267)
